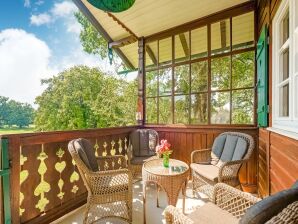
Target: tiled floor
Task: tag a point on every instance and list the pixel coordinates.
(154, 214)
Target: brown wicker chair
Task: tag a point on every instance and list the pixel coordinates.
(109, 191)
(230, 206)
(227, 206)
(220, 164)
(142, 143)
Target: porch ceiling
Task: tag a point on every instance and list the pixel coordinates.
(148, 17)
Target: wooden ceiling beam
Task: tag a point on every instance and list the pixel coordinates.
(122, 42)
(223, 33)
(102, 31)
(184, 44)
(151, 54)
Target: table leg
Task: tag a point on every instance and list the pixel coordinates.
(183, 195)
(144, 202)
(157, 195)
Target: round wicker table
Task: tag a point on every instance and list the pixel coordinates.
(171, 179)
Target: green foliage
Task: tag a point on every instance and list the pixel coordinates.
(82, 97)
(91, 40)
(15, 113)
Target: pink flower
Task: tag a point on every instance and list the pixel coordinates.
(164, 147)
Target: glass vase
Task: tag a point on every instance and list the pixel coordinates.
(166, 159)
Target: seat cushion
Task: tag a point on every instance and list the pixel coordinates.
(217, 148)
(85, 150)
(267, 208)
(211, 214)
(208, 171)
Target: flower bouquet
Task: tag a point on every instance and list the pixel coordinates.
(164, 150)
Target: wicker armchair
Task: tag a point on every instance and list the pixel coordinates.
(220, 164)
(109, 191)
(230, 206)
(227, 206)
(142, 143)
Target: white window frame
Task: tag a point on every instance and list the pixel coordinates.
(290, 123)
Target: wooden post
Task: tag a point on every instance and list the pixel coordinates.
(141, 80)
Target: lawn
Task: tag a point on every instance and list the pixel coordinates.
(15, 130)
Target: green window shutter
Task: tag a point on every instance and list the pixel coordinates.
(262, 83)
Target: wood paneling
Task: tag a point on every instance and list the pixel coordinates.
(186, 139)
(278, 155)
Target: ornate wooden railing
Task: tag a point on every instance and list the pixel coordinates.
(45, 183)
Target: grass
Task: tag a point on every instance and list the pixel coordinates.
(15, 130)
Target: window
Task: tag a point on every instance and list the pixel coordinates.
(204, 75)
(285, 68)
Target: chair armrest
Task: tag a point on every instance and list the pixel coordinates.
(201, 155)
(111, 162)
(229, 170)
(173, 215)
(232, 200)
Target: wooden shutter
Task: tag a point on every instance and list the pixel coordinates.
(262, 74)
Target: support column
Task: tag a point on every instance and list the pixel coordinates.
(140, 114)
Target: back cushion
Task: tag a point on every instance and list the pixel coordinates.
(240, 149)
(85, 150)
(217, 148)
(264, 210)
(143, 142)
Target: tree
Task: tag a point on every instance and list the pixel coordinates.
(15, 113)
(83, 97)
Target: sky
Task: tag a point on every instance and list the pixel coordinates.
(38, 39)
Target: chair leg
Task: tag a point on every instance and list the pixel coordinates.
(88, 206)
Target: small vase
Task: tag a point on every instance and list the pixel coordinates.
(166, 159)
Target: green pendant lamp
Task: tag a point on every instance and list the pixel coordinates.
(112, 5)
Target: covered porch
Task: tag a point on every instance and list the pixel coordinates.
(197, 78)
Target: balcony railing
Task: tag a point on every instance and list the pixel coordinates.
(45, 183)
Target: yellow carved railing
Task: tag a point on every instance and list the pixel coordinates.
(45, 176)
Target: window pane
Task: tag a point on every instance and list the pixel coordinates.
(151, 55)
(199, 108)
(220, 37)
(165, 51)
(165, 108)
(243, 31)
(199, 43)
(242, 110)
(151, 110)
(151, 83)
(220, 73)
(285, 28)
(243, 70)
(220, 108)
(165, 81)
(182, 47)
(182, 79)
(199, 76)
(181, 109)
(285, 65)
(284, 101)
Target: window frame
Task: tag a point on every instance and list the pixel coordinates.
(289, 123)
(208, 58)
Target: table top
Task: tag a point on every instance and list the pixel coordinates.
(155, 166)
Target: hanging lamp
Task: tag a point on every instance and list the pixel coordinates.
(112, 5)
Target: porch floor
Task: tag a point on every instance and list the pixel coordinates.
(154, 214)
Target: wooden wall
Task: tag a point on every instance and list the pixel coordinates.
(186, 139)
(278, 155)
